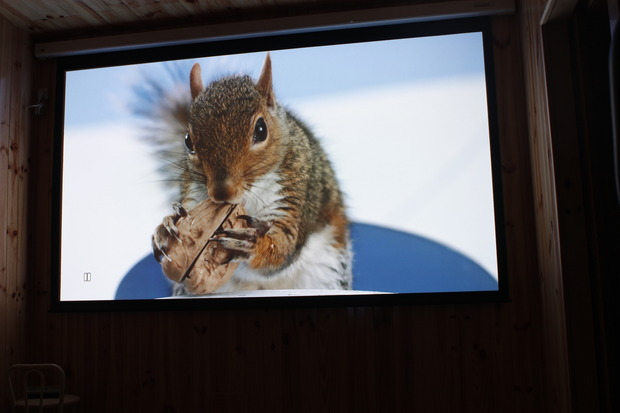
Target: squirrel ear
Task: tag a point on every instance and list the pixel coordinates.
(264, 82)
(195, 81)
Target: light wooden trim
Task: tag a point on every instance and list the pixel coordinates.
(285, 25)
(556, 10)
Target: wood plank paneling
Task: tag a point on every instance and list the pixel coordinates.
(441, 358)
(546, 206)
(572, 222)
(562, 221)
(15, 96)
(52, 16)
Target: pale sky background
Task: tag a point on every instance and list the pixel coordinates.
(404, 122)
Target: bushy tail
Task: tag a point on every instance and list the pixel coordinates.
(162, 102)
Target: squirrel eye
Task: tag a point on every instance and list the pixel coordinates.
(189, 145)
(260, 131)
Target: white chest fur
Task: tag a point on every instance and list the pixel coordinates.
(263, 198)
(319, 266)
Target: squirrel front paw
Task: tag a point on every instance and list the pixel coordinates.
(182, 244)
(166, 232)
(241, 242)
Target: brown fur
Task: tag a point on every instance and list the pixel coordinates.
(223, 118)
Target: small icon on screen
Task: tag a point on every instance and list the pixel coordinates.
(87, 277)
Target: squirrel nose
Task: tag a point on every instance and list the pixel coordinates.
(224, 192)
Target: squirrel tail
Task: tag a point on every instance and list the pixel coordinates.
(161, 104)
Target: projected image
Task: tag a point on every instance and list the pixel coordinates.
(345, 169)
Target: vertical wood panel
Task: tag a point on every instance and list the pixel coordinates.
(564, 250)
(523, 267)
(7, 318)
(568, 169)
(15, 86)
(546, 206)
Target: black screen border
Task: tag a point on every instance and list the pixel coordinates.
(380, 31)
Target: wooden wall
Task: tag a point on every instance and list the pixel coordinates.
(15, 87)
(474, 357)
(545, 201)
(508, 357)
(565, 250)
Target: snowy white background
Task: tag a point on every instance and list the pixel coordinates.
(411, 150)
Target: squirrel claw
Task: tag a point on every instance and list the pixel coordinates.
(240, 234)
(169, 225)
(160, 252)
(237, 248)
(166, 255)
(179, 209)
(248, 219)
(260, 226)
(241, 242)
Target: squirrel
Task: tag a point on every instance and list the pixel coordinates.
(243, 147)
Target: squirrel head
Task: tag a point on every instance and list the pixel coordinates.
(234, 132)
